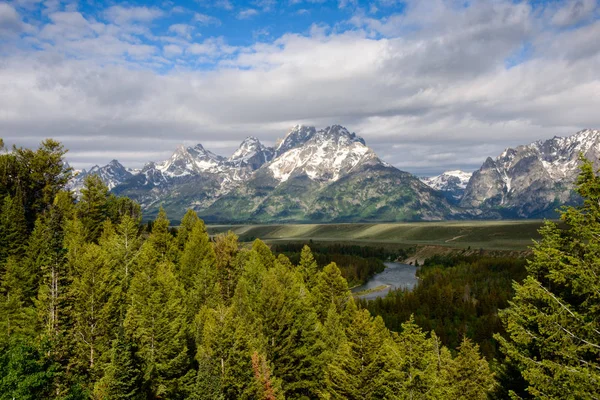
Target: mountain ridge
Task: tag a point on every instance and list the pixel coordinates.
(532, 180)
(331, 175)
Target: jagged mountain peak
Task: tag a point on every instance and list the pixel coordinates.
(529, 180)
(112, 174)
(189, 161)
(248, 148)
(324, 155)
(452, 183)
(297, 136)
(339, 133)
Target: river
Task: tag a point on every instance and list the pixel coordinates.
(396, 275)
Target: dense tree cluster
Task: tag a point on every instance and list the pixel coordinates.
(94, 306)
(456, 296)
(357, 263)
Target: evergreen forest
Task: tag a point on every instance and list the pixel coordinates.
(96, 305)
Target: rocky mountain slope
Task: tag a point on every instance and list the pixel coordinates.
(331, 175)
(451, 183)
(112, 174)
(531, 181)
(310, 175)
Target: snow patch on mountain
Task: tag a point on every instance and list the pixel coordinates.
(112, 174)
(190, 161)
(531, 178)
(325, 156)
(448, 179)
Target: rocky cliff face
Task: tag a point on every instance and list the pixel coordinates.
(531, 181)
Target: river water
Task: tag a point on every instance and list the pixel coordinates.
(395, 276)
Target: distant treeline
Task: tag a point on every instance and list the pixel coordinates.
(456, 296)
(357, 263)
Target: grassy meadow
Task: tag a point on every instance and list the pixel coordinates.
(489, 235)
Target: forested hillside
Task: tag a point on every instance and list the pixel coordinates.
(92, 305)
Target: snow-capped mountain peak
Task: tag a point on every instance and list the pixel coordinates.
(189, 161)
(451, 182)
(248, 149)
(529, 179)
(325, 156)
(112, 174)
(297, 136)
(447, 179)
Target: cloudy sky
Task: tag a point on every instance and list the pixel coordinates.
(431, 85)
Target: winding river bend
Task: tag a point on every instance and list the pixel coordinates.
(396, 275)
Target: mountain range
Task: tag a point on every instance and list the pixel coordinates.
(331, 175)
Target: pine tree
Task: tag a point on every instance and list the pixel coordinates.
(123, 378)
(353, 371)
(330, 287)
(93, 206)
(266, 256)
(197, 270)
(156, 320)
(17, 317)
(289, 326)
(553, 320)
(161, 239)
(266, 387)
(119, 207)
(308, 267)
(226, 250)
(470, 374)
(208, 380)
(91, 289)
(39, 175)
(13, 228)
(25, 373)
(185, 227)
(416, 364)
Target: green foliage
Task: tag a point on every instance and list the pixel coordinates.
(13, 228)
(156, 320)
(356, 263)
(470, 374)
(330, 288)
(25, 373)
(554, 319)
(226, 250)
(456, 296)
(92, 209)
(308, 267)
(34, 176)
(93, 306)
(123, 379)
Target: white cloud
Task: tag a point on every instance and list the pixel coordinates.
(574, 11)
(225, 4)
(211, 48)
(347, 3)
(265, 5)
(247, 13)
(122, 15)
(204, 19)
(171, 50)
(11, 24)
(183, 30)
